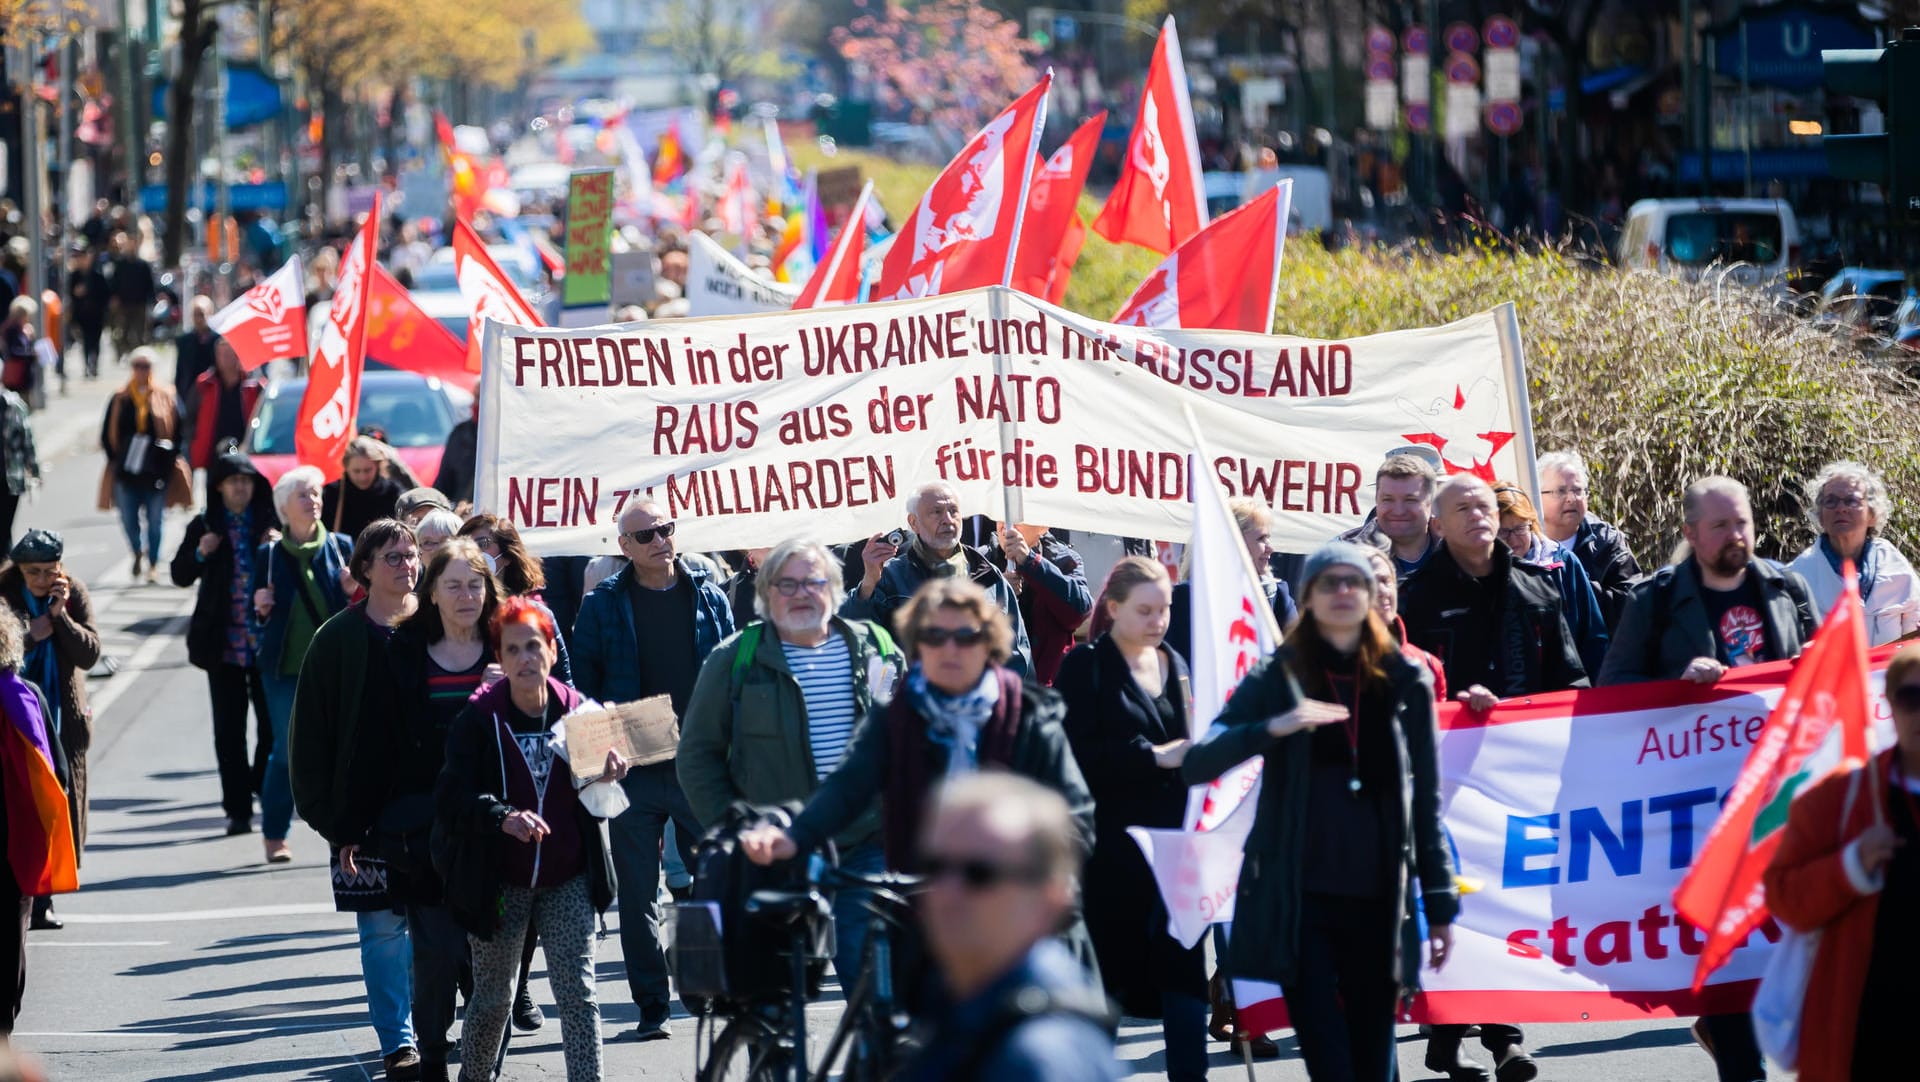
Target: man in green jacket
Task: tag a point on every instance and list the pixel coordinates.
(775, 705)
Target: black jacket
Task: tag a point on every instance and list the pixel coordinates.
(1180, 615)
(1265, 944)
(1112, 727)
(1532, 648)
(363, 505)
(207, 628)
(1664, 625)
(1603, 553)
(455, 480)
(907, 572)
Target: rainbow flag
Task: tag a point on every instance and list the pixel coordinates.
(669, 160)
(39, 831)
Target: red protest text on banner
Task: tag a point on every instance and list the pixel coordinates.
(331, 404)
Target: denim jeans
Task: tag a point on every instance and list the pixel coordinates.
(850, 911)
(276, 790)
(132, 500)
(654, 797)
(386, 961)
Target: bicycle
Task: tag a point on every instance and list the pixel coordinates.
(765, 1039)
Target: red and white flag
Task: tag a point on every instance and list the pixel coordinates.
(965, 230)
(489, 293)
(1821, 723)
(836, 279)
(1224, 278)
(737, 205)
(331, 405)
(1048, 247)
(268, 322)
(1159, 202)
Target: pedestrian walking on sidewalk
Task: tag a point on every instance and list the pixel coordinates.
(299, 581)
(140, 434)
(516, 843)
(19, 461)
(218, 554)
(339, 761)
(62, 645)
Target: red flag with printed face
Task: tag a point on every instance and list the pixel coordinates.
(1159, 202)
(332, 402)
(836, 279)
(1052, 215)
(1224, 278)
(964, 231)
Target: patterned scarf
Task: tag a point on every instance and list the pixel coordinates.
(954, 721)
(42, 666)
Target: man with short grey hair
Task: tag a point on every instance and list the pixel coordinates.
(933, 514)
(775, 705)
(1602, 549)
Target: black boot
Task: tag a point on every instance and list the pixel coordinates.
(1444, 1055)
(526, 1013)
(43, 916)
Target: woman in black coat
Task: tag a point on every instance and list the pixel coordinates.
(1128, 702)
(218, 552)
(1348, 818)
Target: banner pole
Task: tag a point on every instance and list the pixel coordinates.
(1507, 321)
(1013, 502)
(486, 467)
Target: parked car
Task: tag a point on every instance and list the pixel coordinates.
(1757, 239)
(1861, 301)
(414, 412)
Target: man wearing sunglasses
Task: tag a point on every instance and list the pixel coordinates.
(775, 706)
(1000, 855)
(936, 551)
(644, 631)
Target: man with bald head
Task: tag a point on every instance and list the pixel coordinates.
(892, 575)
(643, 631)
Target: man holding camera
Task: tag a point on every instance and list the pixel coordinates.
(896, 565)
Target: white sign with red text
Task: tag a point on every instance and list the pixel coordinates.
(748, 430)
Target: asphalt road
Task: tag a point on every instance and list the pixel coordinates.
(186, 957)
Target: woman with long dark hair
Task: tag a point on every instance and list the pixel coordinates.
(1348, 817)
(1129, 703)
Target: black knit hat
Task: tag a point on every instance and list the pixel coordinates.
(230, 461)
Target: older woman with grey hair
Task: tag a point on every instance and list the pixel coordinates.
(1848, 505)
(775, 707)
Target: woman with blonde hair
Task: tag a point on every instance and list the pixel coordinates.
(368, 489)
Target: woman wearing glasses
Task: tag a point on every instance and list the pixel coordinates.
(959, 710)
(1520, 532)
(1348, 818)
(519, 573)
(336, 743)
(1849, 505)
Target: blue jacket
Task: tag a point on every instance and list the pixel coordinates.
(606, 644)
(273, 567)
(1036, 1023)
(906, 573)
(1579, 599)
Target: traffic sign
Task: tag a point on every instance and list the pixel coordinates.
(1503, 117)
(1461, 38)
(1065, 28)
(1383, 105)
(1501, 32)
(1380, 67)
(1462, 70)
(1415, 39)
(1502, 74)
(1419, 117)
(1416, 79)
(1379, 40)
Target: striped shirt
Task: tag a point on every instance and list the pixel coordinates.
(825, 674)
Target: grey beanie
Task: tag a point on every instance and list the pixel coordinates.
(1337, 554)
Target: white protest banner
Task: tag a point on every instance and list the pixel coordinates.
(1575, 815)
(718, 284)
(751, 430)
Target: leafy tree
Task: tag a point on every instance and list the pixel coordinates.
(952, 63)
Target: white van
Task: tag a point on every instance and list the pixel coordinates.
(1686, 236)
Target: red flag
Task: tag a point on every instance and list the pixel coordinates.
(963, 233)
(1063, 263)
(268, 322)
(1723, 893)
(836, 279)
(489, 293)
(1159, 202)
(1051, 214)
(737, 206)
(400, 335)
(332, 402)
(1224, 278)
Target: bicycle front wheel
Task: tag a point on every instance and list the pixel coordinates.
(748, 1050)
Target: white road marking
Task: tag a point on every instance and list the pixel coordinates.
(170, 1035)
(300, 909)
(143, 658)
(96, 943)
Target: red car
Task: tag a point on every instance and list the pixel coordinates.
(415, 412)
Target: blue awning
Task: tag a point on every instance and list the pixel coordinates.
(1773, 163)
(1598, 83)
(269, 196)
(251, 97)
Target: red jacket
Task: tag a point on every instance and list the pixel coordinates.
(1421, 657)
(1813, 884)
(206, 411)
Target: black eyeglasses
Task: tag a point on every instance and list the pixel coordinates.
(979, 874)
(646, 536)
(1906, 697)
(963, 636)
(398, 560)
(790, 587)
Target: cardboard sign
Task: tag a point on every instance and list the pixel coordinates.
(643, 732)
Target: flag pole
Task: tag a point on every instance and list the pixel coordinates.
(1282, 212)
(1026, 179)
(858, 218)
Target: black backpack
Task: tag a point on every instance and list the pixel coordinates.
(720, 952)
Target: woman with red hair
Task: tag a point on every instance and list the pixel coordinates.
(515, 844)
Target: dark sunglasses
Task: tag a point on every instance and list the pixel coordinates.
(1906, 697)
(940, 636)
(979, 874)
(646, 536)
